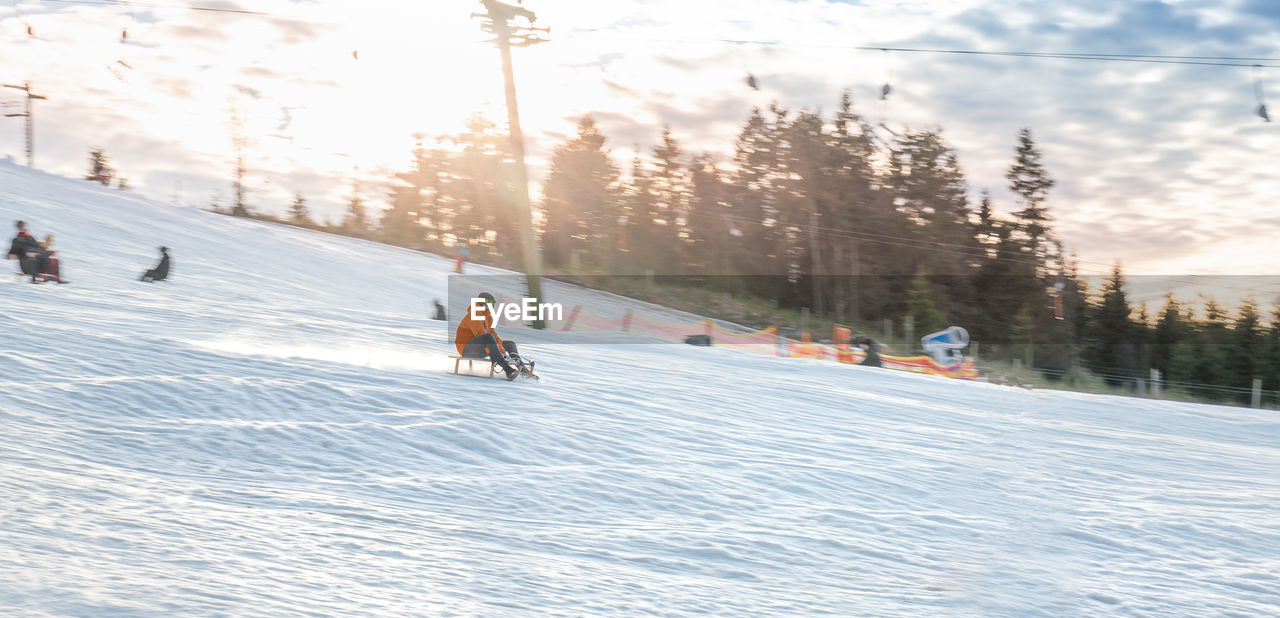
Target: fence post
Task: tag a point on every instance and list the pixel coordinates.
(1257, 393)
(1140, 387)
(1155, 382)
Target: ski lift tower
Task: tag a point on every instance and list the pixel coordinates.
(31, 136)
(498, 21)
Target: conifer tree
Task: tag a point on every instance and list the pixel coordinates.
(1110, 346)
(920, 306)
(1029, 179)
(355, 223)
(581, 203)
(1247, 346)
(100, 169)
(481, 192)
(299, 214)
(710, 230)
(753, 198)
(1203, 358)
(1172, 327)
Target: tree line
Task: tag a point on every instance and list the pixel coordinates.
(854, 222)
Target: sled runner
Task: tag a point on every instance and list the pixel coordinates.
(526, 370)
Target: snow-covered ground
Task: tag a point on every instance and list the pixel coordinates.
(273, 433)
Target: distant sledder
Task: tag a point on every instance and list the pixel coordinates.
(161, 271)
(35, 258)
(476, 340)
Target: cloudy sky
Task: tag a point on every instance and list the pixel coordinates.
(1162, 166)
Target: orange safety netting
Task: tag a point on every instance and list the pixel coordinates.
(964, 370)
(763, 341)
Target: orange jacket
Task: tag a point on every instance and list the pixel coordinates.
(469, 329)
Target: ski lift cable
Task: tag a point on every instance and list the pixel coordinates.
(151, 5)
(1147, 58)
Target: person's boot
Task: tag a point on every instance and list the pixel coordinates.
(512, 372)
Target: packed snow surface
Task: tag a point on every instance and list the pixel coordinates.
(273, 432)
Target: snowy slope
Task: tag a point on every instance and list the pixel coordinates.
(273, 433)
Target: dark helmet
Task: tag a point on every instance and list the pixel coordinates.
(20, 223)
(164, 249)
(487, 297)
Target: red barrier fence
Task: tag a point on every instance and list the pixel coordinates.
(763, 341)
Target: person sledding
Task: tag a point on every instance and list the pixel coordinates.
(161, 271)
(476, 338)
(34, 258)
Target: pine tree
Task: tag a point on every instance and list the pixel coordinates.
(100, 169)
(1204, 358)
(299, 214)
(1031, 181)
(985, 230)
(930, 191)
(481, 191)
(920, 306)
(355, 223)
(1247, 346)
(1172, 327)
(853, 201)
(581, 204)
(1023, 333)
(753, 197)
(656, 204)
(1271, 351)
(1110, 350)
(708, 225)
(423, 201)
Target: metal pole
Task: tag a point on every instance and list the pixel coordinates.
(30, 130)
(1256, 401)
(532, 255)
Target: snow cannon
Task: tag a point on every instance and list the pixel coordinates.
(945, 345)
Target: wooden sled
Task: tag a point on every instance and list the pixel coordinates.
(493, 368)
(471, 366)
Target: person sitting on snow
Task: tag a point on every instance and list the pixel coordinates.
(32, 258)
(161, 271)
(476, 338)
(873, 356)
(54, 269)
